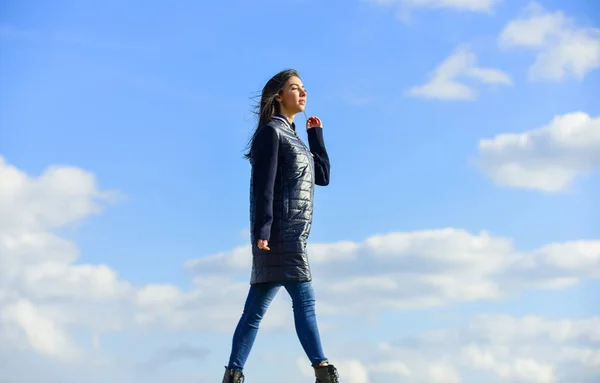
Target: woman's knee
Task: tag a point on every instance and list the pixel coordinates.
(255, 311)
(304, 305)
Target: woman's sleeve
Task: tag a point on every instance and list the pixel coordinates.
(316, 143)
(264, 170)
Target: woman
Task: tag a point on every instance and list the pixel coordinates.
(284, 172)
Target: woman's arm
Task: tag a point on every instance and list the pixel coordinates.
(264, 170)
(317, 147)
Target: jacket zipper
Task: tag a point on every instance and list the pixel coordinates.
(287, 125)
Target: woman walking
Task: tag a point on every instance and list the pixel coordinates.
(284, 172)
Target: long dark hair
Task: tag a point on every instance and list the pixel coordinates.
(268, 105)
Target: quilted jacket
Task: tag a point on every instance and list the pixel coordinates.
(283, 177)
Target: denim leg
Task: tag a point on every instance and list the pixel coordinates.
(305, 319)
(259, 298)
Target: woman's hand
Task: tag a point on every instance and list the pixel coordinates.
(313, 122)
(263, 244)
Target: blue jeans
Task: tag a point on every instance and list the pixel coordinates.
(258, 301)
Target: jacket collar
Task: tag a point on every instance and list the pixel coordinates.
(285, 121)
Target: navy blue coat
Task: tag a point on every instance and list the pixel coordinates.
(283, 177)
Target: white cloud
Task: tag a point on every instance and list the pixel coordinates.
(549, 158)
(428, 268)
(46, 296)
(60, 196)
(41, 332)
(396, 368)
(519, 369)
(564, 49)
(445, 84)
(532, 349)
(36, 266)
(443, 373)
(57, 308)
(489, 348)
(482, 6)
(504, 329)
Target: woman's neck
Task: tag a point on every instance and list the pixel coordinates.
(288, 116)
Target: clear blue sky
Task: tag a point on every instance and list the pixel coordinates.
(153, 100)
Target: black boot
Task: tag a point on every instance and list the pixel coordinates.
(233, 376)
(326, 374)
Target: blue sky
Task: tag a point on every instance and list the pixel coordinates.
(464, 144)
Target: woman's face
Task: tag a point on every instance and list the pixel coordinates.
(293, 96)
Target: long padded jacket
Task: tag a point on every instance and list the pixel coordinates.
(289, 203)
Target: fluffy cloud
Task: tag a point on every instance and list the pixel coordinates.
(487, 348)
(548, 158)
(485, 6)
(563, 48)
(445, 80)
(429, 268)
(46, 296)
(56, 308)
(532, 349)
(37, 266)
